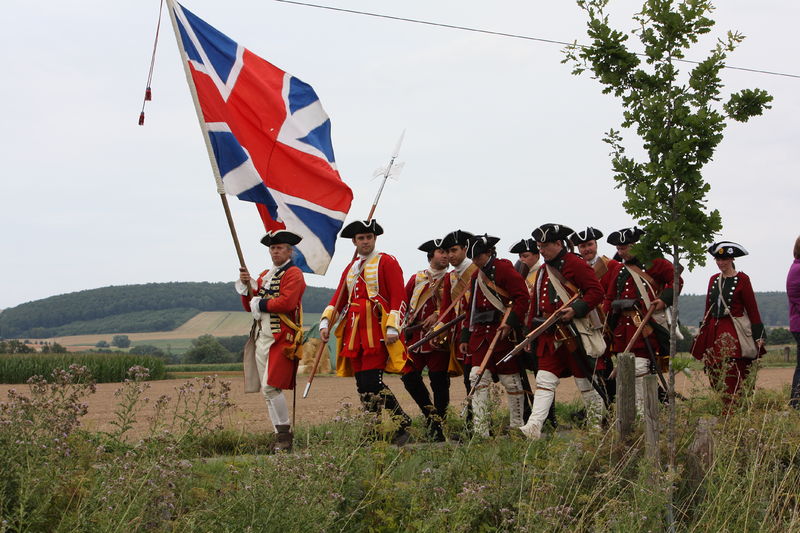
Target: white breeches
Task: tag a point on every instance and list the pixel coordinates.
(516, 398)
(592, 401)
(480, 401)
(642, 368)
(276, 402)
(546, 383)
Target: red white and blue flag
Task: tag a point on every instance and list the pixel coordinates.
(270, 137)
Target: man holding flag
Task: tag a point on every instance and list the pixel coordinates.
(269, 142)
(270, 356)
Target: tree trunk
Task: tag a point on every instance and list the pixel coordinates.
(673, 349)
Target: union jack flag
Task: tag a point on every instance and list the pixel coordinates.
(270, 137)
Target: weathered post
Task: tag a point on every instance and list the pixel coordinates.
(786, 352)
(626, 395)
(651, 425)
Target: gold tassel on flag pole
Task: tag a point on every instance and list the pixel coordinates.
(206, 138)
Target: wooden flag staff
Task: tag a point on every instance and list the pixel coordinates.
(206, 138)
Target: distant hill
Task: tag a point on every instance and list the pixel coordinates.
(773, 307)
(129, 308)
(166, 306)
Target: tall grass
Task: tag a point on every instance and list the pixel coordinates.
(186, 475)
(104, 368)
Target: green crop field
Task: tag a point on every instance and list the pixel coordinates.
(217, 323)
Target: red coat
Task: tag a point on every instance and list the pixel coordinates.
(281, 369)
(452, 286)
(606, 270)
(622, 286)
(431, 306)
(546, 302)
(717, 339)
(374, 301)
(480, 334)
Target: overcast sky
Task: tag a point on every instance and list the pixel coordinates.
(500, 136)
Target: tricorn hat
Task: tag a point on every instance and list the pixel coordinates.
(361, 226)
(431, 245)
(281, 236)
(457, 237)
(524, 245)
(625, 236)
(726, 250)
(481, 244)
(551, 233)
(589, 234)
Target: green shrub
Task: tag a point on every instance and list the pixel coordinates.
(104, 368)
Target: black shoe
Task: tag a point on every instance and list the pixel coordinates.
(401, 438)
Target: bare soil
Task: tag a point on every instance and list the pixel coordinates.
(330, 394)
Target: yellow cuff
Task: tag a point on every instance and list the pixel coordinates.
(328, 313)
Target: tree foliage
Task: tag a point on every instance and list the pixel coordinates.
(120, 341)
(207, 349)
(679, 119)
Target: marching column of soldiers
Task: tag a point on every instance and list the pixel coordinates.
(556, 312)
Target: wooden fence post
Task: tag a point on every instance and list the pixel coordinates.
(651, 425)
(626, 395)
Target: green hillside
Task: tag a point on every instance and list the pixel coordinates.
(773, 306)
(166, 306)
(129, 308)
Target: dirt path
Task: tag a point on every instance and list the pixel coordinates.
(329, 394)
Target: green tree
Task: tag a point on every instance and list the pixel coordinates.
(120, 341)
(207, 349)
(679, 120)
(101, 344)
(15, 346)
(147, 349)
(779, 336)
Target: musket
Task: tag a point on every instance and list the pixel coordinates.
(482, 368)
(636, 334)
(410, 317)
(639, 330)
(544, 326)
(651, 355)
(436, 332)
(387, 173)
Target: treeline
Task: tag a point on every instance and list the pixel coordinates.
(773, 306)
(130, 308)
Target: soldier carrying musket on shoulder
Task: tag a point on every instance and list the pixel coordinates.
(528, 267)
(456, 292)
(605, 269)
(636, 288)
(372, 314)
(424, 292)
(565, 349)
(496, 307)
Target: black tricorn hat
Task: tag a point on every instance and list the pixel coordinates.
(551, 233)
(457, 237)
(625, 236)
(524, 245)
(281, 236)
(726, 250)
(481, 244)
(589, 234)
(361, 226)
(431, 245)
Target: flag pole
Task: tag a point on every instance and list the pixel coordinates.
(204, 129)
